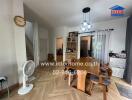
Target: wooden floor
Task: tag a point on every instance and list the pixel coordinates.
(53, 87)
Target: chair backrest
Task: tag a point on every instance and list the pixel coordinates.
(105, 70)
(109, 71)
(50, 57)
(74, 60)
(86, 59)
(66, 63)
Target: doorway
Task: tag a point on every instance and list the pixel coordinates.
(59, 49)
(86, 46)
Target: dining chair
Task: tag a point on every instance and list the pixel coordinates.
(103, 79)
(72, 75)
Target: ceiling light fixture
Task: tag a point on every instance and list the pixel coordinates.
(85, 26)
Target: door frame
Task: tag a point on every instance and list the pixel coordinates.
(79, 42)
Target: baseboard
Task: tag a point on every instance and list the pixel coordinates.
(11, 88)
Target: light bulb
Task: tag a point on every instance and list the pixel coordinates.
(83, 29)
(89, 26)
(85, 23)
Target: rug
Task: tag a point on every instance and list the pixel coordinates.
(124, 91)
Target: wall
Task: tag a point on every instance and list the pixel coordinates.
(41, 35)
(43, 43)
(57, 33)
(118, 36)
(117, 39)
(12, 41)
(51, 41)
(19, 34)
(8, 65)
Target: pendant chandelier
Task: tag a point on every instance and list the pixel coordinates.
(85, 26)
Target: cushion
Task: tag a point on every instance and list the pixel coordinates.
(95, 78)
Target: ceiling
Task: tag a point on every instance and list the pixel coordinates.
(56, 13)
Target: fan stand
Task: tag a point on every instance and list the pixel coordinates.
(26, 88)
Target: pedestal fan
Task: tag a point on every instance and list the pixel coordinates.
(28, 70)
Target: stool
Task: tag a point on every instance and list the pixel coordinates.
(3, 80)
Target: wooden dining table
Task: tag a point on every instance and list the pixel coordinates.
(84, 66)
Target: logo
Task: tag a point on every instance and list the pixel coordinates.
(117, 11)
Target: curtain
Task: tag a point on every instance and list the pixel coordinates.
(36, 44)
(101, 46)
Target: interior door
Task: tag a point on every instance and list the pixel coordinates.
(59, 49)
(84, 48)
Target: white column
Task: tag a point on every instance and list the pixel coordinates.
(19, 35)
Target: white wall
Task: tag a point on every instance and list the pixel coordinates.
(59, 32)
(8, 65)
(19, 33)
(12, 41)
(51, 41)
(118, 36)
(117, 41)
(43, 43)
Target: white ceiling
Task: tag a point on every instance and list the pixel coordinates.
(69, 12)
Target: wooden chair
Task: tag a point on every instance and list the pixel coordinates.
(103, 79)
(50, 57)
(87, 59)
(81, 74)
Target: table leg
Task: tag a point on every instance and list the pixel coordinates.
(69, 79)
(104, 93)
(91, 86)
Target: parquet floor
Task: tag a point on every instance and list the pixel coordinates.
(53, 87)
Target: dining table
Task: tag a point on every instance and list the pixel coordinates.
(84, 66)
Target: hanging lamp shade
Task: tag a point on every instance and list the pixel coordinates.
(85, 26)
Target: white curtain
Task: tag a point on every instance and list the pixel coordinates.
(36, 44)
(101, 46)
